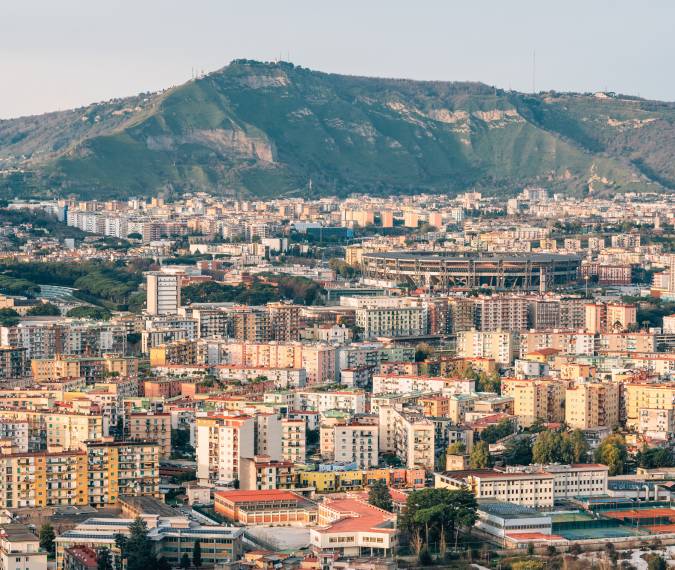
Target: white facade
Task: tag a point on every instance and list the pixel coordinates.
(163, 293)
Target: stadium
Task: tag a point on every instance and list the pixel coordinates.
(442, 271)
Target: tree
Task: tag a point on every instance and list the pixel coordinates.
(580, 446)
(197, 555)
(489, 383)
(528, 565)
(89, 312)
(656, 562)
(121, 542)
(185, 561)
(379, 496)
(139, 552)
(44, 310)
(480, 456)
(430, 510)
(47, 537)
(518, 451)
(557, 447)
(457, 448)
(425, 557)
(495, 432)
(416, 541)
(613, 453)
(651, 458)
(422, 351)
(104, 559)
(8, 317)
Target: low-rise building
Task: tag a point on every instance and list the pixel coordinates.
(349, 527)
(266, 507)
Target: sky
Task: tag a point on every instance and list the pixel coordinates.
(60, 54)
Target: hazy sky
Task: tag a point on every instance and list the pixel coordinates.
(57, 54)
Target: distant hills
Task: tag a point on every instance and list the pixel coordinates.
(271, 129)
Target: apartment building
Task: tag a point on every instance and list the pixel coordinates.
(391, 321)
(20, 548)
(70, 430)
(501, 313)
(183, 351)
(150, 426)
(90, 368)
(566, 342)
(163, 293)
(408, 435)
(122, 468)
(609, 317)
(405, 384)
(284, 321)
(262, 472)
(268, 435)
(42, 479)
(592, 404)
(353, 401)
(501, 346)
(435, 406)
(293, 440)
(221, 443)
(356, 441)
(318, 359)
(643, 396)
(640, 342)
(15, 434)
(657, 424)
(358, 479)
(536, 399)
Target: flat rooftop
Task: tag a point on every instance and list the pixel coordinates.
(508, 510)
(149, 506)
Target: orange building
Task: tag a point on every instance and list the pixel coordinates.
(269, 507)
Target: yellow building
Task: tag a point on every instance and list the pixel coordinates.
(60, 366)
(43, 479)
(592, 404)
(639, 396)
(177, 352)
(151, 427)
(69, 430)
(51, 368)
(122, 468)
(642, 341)
(536, 399)
(435, 406)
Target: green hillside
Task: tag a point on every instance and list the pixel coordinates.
(269, 129)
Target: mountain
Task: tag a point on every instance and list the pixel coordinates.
(270, 129)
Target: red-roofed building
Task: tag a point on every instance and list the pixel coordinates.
(349, 526)
(79, 557)
(269, 507)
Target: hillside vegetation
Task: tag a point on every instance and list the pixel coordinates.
(269, 129)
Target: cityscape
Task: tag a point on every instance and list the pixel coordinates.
(348, 286)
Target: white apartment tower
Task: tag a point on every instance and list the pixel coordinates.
(163, 293)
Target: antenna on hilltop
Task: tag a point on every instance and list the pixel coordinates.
(534, 71)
